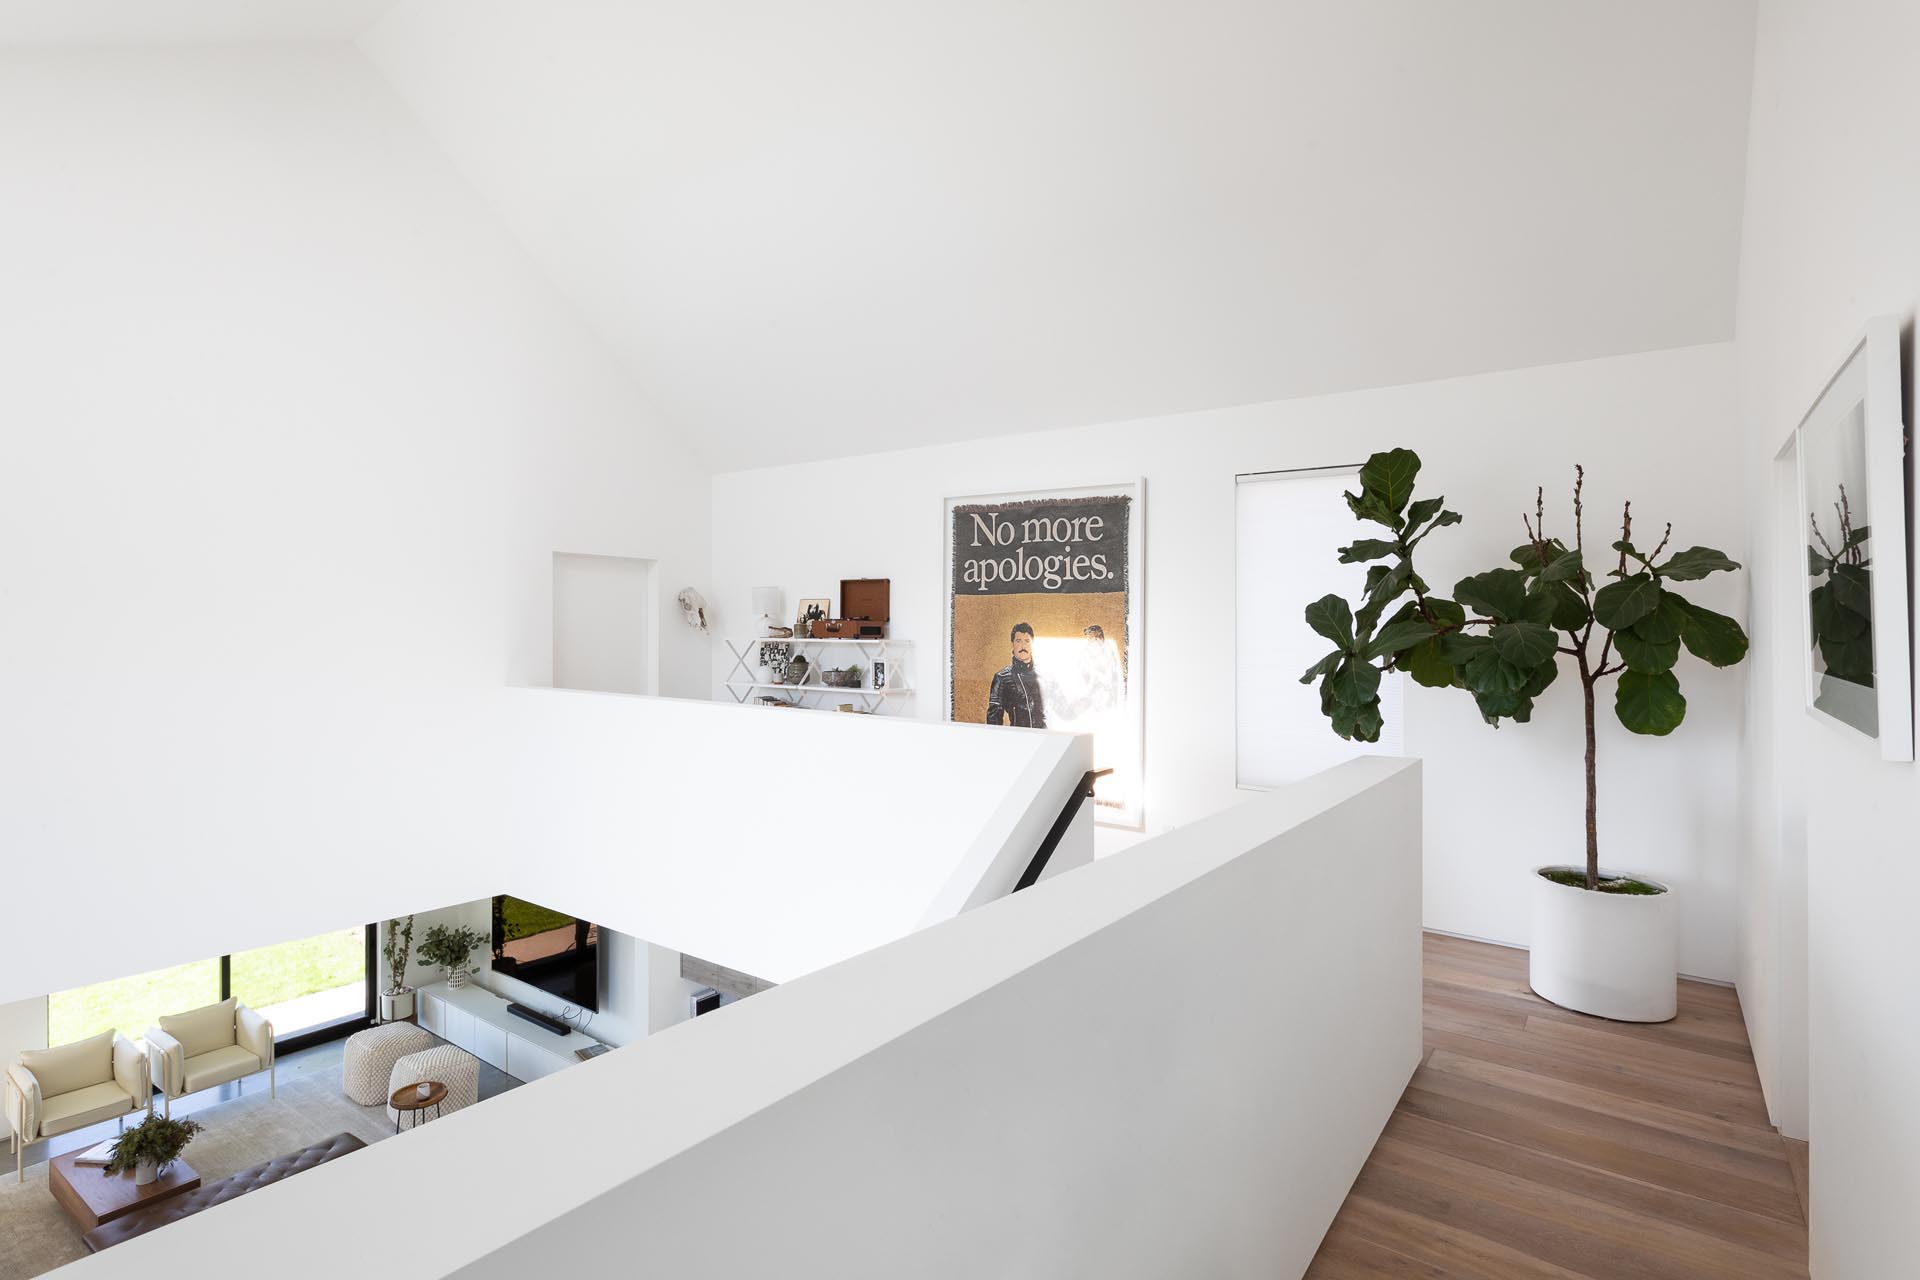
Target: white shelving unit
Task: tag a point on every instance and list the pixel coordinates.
(744, 679)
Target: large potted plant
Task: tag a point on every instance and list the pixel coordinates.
(150, 1146)
(1605, 941)
(451, 947)
(396, 947)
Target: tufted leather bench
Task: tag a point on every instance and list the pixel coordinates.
(138, 1224)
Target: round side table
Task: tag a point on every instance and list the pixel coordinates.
(406, 1101)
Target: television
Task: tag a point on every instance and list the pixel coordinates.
(547, 949)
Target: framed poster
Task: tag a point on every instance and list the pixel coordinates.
(1852, 457)
(1045, 601)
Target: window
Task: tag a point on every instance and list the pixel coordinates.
(311, 989)
(1288, 527)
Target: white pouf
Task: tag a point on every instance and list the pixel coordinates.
(370, 1056)
(455, 1068)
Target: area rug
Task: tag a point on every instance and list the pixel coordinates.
(36, 1235)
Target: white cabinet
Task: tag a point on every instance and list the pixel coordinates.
(490, 1045)
(432, 1008)
(475, 1019)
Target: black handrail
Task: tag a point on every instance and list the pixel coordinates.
(1058, 831)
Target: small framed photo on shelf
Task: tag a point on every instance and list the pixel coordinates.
(879, 675)
(812, 611)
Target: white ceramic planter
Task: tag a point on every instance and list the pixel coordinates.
(1614, 955)
(145, 1173)
(396, 1008)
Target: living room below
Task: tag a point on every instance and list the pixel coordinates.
(324, 1045)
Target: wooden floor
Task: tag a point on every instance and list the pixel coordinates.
(1534, 1142)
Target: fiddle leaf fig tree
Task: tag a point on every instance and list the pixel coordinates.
(1502, 633)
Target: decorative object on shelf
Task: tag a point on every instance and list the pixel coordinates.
(693, 609)
(752, 678)
(841, 678)
(769, 603)
(1851, 456)
(150, 1146)
(1045, 609)
(780, 633)
(866, 605)
(811, 611)
(796, 670)
(1603, 942)
(775, 657)
(451, 947)
(880, 675)
(396, 948)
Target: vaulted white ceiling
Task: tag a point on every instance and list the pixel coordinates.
(827, 228)
(91, 22)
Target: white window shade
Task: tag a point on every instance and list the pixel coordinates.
(1289, 527)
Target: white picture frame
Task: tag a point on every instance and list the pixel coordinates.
(1120, 800)
(1856, 639)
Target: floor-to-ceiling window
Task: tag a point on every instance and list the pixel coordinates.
(311, 989)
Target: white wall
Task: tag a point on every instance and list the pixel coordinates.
(983, 1098)
(1655, 428)
(1832, 238)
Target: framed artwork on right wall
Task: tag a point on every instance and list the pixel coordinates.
(1852, 456)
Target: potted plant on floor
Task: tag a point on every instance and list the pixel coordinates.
(150, 1146)
(451, 948)
(1604, 942)
(396, 947)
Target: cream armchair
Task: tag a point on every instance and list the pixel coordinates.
(207, 1047)
(70, 1086)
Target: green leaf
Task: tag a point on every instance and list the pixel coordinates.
(1694, 562)
(1323, 666)
(1649, 702)
(1569, 607)
(1384, 589)
(1817, 564)
(1424, 663)
(1396, 637)
(1389, 477)
(1360, 721)
(1368, 549)
(1524, 644)
(1539, 678)
(1333, 618)
(1663, 625)
(1490, 673)
(1424, 510)
(1623, 603)
(1564, 566)
(1445, 612)
(1499, 593)
(1356, 682)
(1711, 637)
(1367, 506)
(1849, 660)
(1830, 620)
(1632, 551)
(1459, 648)
(1852, 588)
(1646, 655)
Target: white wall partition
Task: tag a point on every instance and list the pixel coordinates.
(1829, 945)
(1668, 806)
(1172, 1062)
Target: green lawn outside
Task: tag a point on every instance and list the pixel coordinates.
(523, 919)
(262, 977)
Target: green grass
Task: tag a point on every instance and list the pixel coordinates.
(523, 919)
(262, 977)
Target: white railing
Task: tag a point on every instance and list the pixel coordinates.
(1171, 1062)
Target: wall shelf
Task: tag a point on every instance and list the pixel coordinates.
(744, 680)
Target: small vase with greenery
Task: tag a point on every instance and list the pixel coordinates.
(451, 947)
(150, 1146)
(396, 948)
(1500, 638)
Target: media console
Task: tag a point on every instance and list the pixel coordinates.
(489, 1027)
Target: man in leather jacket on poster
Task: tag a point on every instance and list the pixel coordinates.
(1016, 698)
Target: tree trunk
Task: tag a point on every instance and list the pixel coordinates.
(1593, 805)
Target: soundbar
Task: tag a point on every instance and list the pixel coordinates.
(539, 1019)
